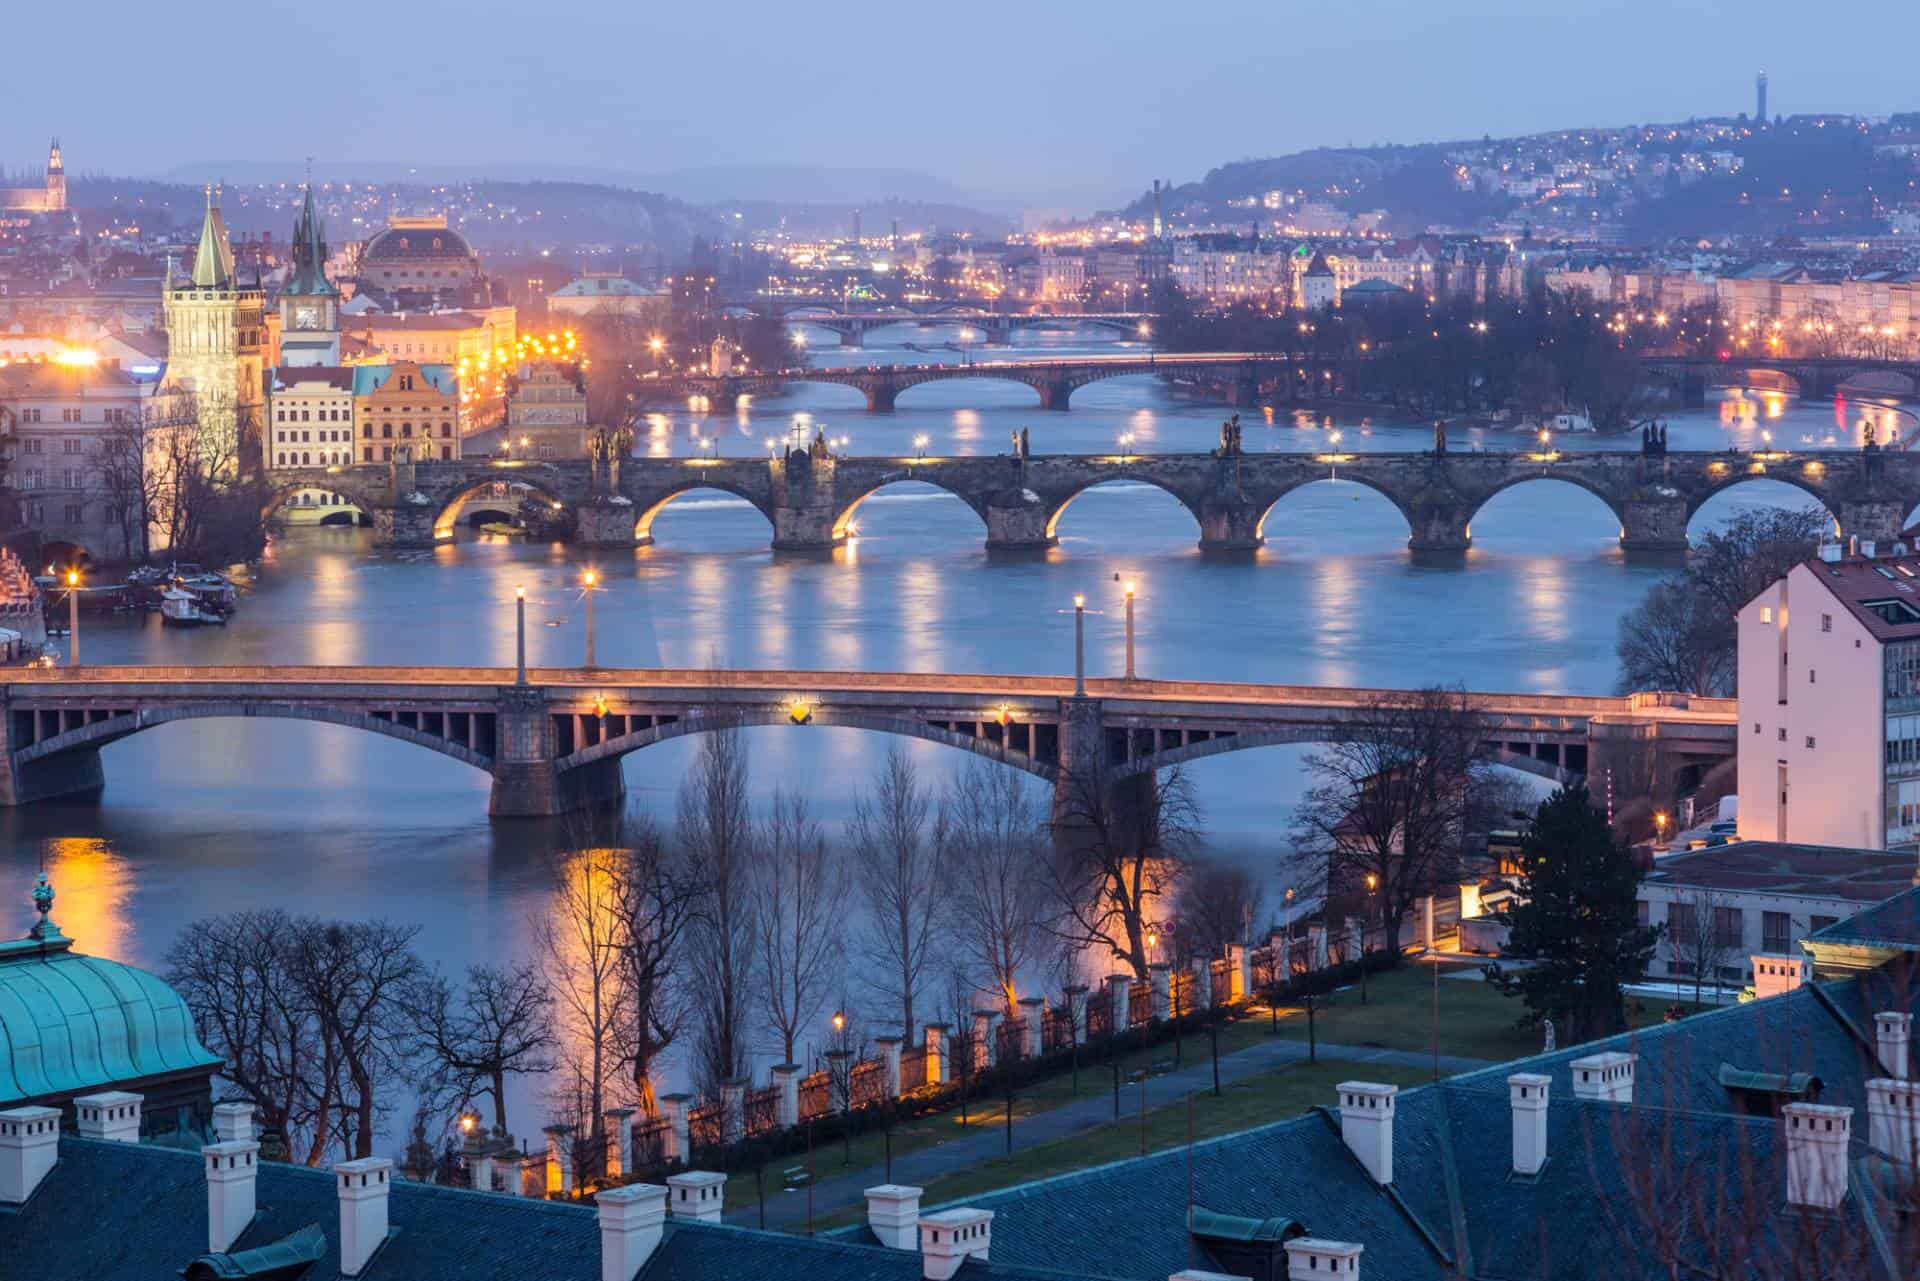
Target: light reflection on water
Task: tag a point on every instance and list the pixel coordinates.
(208, 816)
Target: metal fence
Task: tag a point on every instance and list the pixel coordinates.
(913, 1067)
(762, 1109)
(1139, 1004)
(816, 1094)
(1220, 984)
(1099, 1017)
(651, 1141)
(1057, 1032)
(866, 1084)
(705, 1125)
(1010, 1040)
(1180, 992)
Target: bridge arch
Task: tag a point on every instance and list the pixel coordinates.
(843, 523)
(1570, 480)
(1697, 502)
(1125, 475)
(613, 748)
(100, 733)
(1362, 482)
(959, 372)
(446, 519)
(649, 506)
(325, 482)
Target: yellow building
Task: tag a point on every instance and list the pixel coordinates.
(217, 346)
(547, 411)
(407, 404)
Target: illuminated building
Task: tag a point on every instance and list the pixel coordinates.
(407, 405)
(65, 416)
(609, 294)
(310, 417)
(547, 411)
(419, 255)
(309, 303)
(52, 198)
(217, 344)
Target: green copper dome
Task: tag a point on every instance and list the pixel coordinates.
(71, 1023)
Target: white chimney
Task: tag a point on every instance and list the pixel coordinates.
(1606, 1077)
(1196, 1274)
(1775, 975)
(948, 1238)
(113, 1115)
(1528, 1092)
(29, 1141)
(1893, 1118)
(232, 1122)
(1816, 1154)
(233, 1171)
(1309, 1259)
(631, 1223)
(696, 1195)
(893, 1212)
(1831, 553)
(1366, 1124)
(1867, 549)
(363, 1188)
(1892, 1036)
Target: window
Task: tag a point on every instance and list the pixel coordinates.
(1766, 613)
(30, 478)
(72, 513)
(1776, 932)
(1783, 733)
(1826, 622)
(1729, 926)
(36, 446)
(1809, 742)
(1641, 911)
(69, 478)
(1680, 924)
(73, 446)
(1810, 679)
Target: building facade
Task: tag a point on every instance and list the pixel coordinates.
(407, 405)
(67, 419)
(217, 345)
(547, 411)
(310, 418)
(607, 293)
(309, 303)
(419, 255)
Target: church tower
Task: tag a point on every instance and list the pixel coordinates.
(309, 304)
(216, 347)
(56, 180)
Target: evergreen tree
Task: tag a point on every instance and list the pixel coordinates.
(1576, 921)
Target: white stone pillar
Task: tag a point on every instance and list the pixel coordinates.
(939, 1061)
(1317, 944)
(619, 1123)
(1076, 995)
(733, 1110)
(1120, 992)
(1356, 938)
(559, 1159)
(1239, 971)
(787, 1077)
(889, 1065)
(983, 1047)
(1161, 976)
(674, 1107)
(1202, 985)
(480, 1172)
(1033, 1016)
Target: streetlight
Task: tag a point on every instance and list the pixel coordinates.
(1366, 919)
(1129, 630)
(1126, 446)
(920, 446)
(1660, 826)
(520, 647)
(588, 579)
(73, 618)
(1079, 646)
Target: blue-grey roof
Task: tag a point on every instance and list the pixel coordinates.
(371, 378)
(1893, 924)
(71, 1023)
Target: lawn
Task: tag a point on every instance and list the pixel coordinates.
(1271, 1096)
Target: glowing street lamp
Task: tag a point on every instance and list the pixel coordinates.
(1079, 646)
(1126, 446)
(920, 445)
(73, 618)
(1129, 590)
(1660, 825)
(520, 629)
(587, 580)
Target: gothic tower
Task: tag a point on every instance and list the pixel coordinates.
(216, 348)
(309, 304)
(56, 180)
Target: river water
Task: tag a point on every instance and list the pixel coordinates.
(211, 816)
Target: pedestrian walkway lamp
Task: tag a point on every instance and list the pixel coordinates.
(1129, 631)
(520, 644)
(1079, 646)
(587, 581)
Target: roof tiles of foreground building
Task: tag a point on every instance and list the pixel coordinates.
(72, 1023)
(1781, 867)
(1886, 929)
(1457, 1208)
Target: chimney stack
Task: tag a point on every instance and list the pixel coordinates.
(632, 1219)
(113, 1115)
(1606, 1077)
(893, 1212)
(1893, 1118)
(1816, 1154)
(233, 1173)
(1893, 1037)
(1775, 975)
(1366, 1124)
(948, 1238)
(233, 1122)
(363, 1186)
(697, 1195)
(29, 1142)
(1309, 1259)
(1528, 1092)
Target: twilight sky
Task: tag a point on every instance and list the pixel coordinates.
(1046, 102)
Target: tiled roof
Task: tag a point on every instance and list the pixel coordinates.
(1826, 871)
(1856, 581)
(1894, 924)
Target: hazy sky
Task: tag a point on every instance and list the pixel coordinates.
(1044, 102)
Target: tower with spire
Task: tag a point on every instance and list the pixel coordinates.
(309, 304)
(56, 179)
(217, 348)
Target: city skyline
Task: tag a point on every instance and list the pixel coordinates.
(1107, 105)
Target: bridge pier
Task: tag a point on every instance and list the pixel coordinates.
(1017, 522)
(1054, 393)
(1654, 524)
(853, 337)
(1439, 527)
(608, 521)
(880, 398)
(1877, 519)
(1230, 526)
(526, 782)
(805, 507)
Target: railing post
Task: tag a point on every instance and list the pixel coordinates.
(786, 1076)
(1076, 995)
(619, 1123)
(1033, 1018)
(679, 1146)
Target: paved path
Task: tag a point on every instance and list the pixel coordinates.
(838, 1192)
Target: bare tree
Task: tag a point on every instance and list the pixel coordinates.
(1673, 640)
(353, 974)
(1389, 807)
(499, 1024)
(991, 836)
(799, 914)
(715, 829)
(1216, 904)
(237, 976)
(579, 935)
(896, 864)
(1697, 919)
(656, 895)
(1121, 845)
(205, 502)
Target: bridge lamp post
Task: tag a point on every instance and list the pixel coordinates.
(1079, 646)
(588, 580)
(520, 645)
(1129, 630)
(1373, 884)
(73, 618)
(920, 446)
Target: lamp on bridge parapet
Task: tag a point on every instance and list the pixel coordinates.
(520, 636)
(1079, 646)
(1129, 630)
(587, 582)
(73, 618)
(800, 712)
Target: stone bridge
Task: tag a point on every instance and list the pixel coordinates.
(1818, 378)
(853, 327)
(810, 497)
(1241, 378)
(552, 739)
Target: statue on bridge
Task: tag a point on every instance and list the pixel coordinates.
(1653, 439)
(1439, 435)
(1230, 437)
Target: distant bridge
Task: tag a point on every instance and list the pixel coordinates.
(554, 740)
(1245, 377)
(810, 498)
(994, 327)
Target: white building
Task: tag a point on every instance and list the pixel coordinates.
(1829, 681)
(66, 417)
